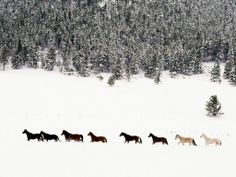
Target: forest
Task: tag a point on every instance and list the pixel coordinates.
(122, 37)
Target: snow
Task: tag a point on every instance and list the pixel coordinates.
(49, 101)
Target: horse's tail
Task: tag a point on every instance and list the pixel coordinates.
(57, 139)
(140, 140)
(105, 140)
(82, 138)
(194, 143)
(166, 141)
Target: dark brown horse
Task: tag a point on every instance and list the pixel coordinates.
(156, 139)
(32, 136)
(129, 138)
(74, 137)
(97, 138)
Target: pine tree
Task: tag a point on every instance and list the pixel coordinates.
(232, 78)
(157, 76)
(51, 59)
(215, 73)
(4, 56)
(213, 106)
(18, 57)
(111, 80)
(227, 69)
(118, 69)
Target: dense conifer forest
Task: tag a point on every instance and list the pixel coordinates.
(122, 37)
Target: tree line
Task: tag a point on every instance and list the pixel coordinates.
(122, 37)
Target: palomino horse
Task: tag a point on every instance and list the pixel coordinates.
(208, 140)
(97, 138)
(129, 138)
(47, 136)
(184, 140)
(156, 139)
(32, 136)
(69, 136)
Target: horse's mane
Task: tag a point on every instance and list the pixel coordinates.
(124, 134)
(66, 133)
(90, 133)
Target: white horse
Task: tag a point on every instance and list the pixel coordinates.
(208, 140)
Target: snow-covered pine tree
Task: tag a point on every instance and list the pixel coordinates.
(4, 56)
(157, 75)
(227, 69)
(232, 78)
(117, 69)
(213, 106)
(51, 59)
(18, 57)
(216, 73)
(111, 80)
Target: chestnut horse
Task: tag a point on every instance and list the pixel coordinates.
(69, 136)
(32, 136)
(156, 139)
(129, 138)
(47, 136)
(184, 140)
(95, 138)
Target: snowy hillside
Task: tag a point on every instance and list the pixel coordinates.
(38, 100)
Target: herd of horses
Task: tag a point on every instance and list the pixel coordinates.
(155, 139)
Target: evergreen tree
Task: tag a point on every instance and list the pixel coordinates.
(118, 69)
(227, 69)
(111, 80)
(4, 53)
(157, 75)
(215, 73)
(18, 57)
(213, 106)
(49, 62)
(232, 78)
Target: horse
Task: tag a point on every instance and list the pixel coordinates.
(129, 138)
(156, 139)
(208, 140)
(69, 136)
(184, 140)
(47, 136)
(32, 136)
(95, 138)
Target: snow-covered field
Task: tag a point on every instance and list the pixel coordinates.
(39, 100)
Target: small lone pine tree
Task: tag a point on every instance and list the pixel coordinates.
(111, 80)
(213, 106)
(215, 73)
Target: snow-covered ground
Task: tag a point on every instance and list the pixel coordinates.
(49, 101)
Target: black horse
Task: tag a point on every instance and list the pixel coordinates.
(32, 136)
(47, 136)
(156, 139)
(129, 138)
(69, 136)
